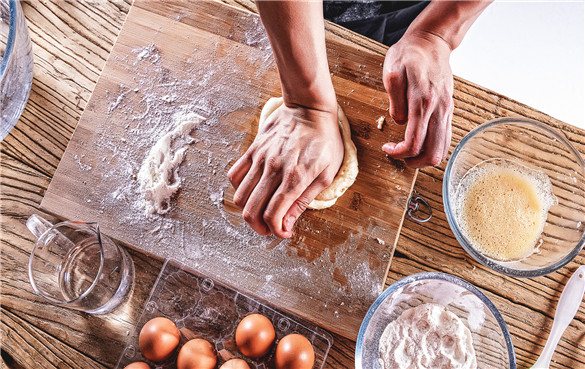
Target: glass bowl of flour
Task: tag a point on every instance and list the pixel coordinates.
(433, 320)
(514, 196)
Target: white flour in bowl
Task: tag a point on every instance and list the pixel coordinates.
(427, 337)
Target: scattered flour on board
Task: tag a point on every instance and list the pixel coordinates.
(207, 84)
(158, 176)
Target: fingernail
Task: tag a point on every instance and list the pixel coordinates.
(388, 148)
(288, 223)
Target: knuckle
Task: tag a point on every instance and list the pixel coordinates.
(393, 77)
(301, 204)
(398, 114)
(273, 164)
(326, 180)
(436, 159)
(427, 102)
(293, 177)
(415, 147)
(447, 103)
(249, 216)
(239, 201)
(269, 218)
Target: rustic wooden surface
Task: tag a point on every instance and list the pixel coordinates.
(358, 233)
(71, 41)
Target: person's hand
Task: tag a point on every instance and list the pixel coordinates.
(295, 155)
(418, 79)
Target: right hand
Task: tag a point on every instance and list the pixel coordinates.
(419, 82)
(295, 155)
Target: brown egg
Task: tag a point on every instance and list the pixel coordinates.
(137, 365)
(235, 364)
(196, 354)
(294, 352)
(158, 339)
(255, 335)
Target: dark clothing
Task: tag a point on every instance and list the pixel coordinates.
(383, 21)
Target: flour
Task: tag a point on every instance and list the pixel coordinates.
(158, 176)
(424, 337)
(223, 85)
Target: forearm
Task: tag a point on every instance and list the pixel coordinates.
(297, 35)
(448, 20)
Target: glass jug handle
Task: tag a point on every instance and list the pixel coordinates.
(37, 225)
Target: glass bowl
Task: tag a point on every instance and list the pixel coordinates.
(536, 146)
(491, 338)
(16, 68)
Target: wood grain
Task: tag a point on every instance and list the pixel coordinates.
(174, 42)
(30, 154)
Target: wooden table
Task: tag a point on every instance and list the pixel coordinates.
(71, 41)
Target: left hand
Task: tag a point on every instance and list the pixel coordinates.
(419, 81)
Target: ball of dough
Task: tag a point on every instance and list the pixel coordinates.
(349, 167)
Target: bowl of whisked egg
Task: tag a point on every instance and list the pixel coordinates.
(514, 196)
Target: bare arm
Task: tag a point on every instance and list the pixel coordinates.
(297, 35)
(448, 20)
(299, 150)
(419, 81)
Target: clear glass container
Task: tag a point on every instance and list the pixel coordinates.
(538, 147)
(16, 68)
(74, 265)
(491, 339)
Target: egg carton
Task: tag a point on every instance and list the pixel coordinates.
(205, 308)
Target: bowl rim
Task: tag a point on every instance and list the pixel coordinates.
(13, 13)
(433, 276)
(493, 265)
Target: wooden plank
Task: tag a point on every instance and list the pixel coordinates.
(216, 60)
(32, 151)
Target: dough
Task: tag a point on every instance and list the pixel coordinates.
(349, 167)
(158, 176)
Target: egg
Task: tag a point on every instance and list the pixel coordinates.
(137, 365)
(158, 339)
(235, 364)
(196, 354)
(294, 352)
(255, 335)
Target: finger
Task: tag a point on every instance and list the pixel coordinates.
(254, 210)
(434, 146)
(396, 87)
(415, 134)
(448, 136)
(303, 201)
(239, 170)
(247, 185)
(291, 189)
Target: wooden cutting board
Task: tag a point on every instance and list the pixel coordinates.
(216, 61)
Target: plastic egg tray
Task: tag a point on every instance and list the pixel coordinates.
(204, 308)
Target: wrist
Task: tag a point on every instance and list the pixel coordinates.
(447, 20)
(317, 94)
(428, 40)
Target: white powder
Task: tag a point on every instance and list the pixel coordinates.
(225, 86)
(424, 337)
(158, 176)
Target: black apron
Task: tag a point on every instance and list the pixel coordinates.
(383, 21)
